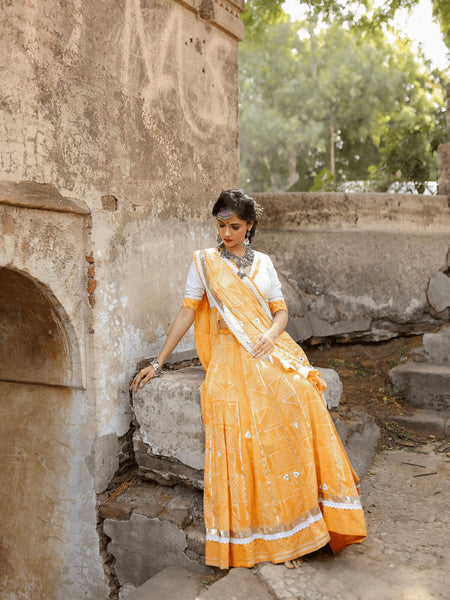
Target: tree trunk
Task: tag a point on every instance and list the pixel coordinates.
(293, 175)
(332, 167)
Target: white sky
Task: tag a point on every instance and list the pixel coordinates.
(418, 26)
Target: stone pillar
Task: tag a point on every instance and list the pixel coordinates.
(444, 155)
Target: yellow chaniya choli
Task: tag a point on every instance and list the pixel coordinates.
(277, 481)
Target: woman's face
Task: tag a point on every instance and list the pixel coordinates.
(232, 231)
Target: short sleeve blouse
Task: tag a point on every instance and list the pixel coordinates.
(262, 274)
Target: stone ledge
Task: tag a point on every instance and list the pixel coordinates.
(224, 14)
(335, 211)
(426, 421)
(39, 196)
(423, 385)
(169, 439)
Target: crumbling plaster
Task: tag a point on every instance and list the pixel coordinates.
(138, 102)
(130, 110)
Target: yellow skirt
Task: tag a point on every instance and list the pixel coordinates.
(278, 483)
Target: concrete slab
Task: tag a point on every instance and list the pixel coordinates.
(426, 421)
(172, 583)
(142, 547)
(423, 385)
(406, 555)
(239, 584)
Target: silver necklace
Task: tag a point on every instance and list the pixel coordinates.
(240, 261)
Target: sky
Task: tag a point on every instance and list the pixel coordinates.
(417, 25)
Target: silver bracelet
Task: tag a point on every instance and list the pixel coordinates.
(156, 368)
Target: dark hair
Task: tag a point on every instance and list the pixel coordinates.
(243, 206)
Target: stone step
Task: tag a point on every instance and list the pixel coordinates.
(239, 584)
(433, 422)
(172, 583)
(437, 347)
(423, 385)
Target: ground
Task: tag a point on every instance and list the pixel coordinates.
(363, 369)
(404, 495)
(406, 553)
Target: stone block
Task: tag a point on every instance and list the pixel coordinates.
(172, 583)
(423, 385)
(126, 591)
(342, 428)
(169, 439)
(169, 416)
(437, 346)
(333, 393)
(196, 538)
(142, 547)
(426, 421)
(439, 291)
(164, 470)
(361, 441)
(239, 584)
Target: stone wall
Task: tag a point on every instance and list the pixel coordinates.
(359, 266)
(47, 413)
(129, 108)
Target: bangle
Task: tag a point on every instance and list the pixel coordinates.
(156, 368)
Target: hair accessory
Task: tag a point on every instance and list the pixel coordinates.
(225, 213)
(258, 210)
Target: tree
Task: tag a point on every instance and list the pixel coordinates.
(326, 101)
(363, 13)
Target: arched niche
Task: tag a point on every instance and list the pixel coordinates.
(37, 343)
(41, 427)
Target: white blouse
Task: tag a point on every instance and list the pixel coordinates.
(262, 273)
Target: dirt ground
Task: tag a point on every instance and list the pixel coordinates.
(363, 369)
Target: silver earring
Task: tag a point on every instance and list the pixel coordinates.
(219, 240)
(247, 240)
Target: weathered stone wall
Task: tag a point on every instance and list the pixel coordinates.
(359, 266)
(130, 108)
(47, 414)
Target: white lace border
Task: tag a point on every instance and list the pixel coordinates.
(356, 505)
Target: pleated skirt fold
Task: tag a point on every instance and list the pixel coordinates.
(278, 483)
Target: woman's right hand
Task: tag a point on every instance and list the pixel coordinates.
(142, 377)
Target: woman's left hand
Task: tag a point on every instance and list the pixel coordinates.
(263, 346)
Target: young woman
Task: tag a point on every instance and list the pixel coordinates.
(278, 483)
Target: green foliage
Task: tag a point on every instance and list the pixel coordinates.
(365, 14)
(323, 105)
(441, 12)
(323, 181)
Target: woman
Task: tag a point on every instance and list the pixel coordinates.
(278, 484)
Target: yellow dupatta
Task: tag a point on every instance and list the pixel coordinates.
(246, 313)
